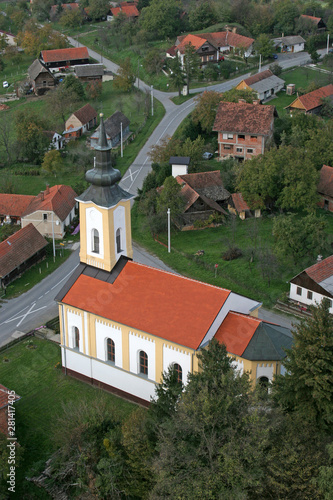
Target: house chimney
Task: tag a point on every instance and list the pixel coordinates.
(319, 258)
(47, 190)
(234, 29)
(42, 195)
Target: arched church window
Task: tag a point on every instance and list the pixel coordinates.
(179, 372)
(118, 240)
(95, 241)
(76, 337)
(143, 363)
(110, 350)
(263, 382)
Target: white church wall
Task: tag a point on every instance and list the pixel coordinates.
(119, 221)
(265, 370)
(94, 220)
(139, 343)
(78, 363)
(172, 355)
(238, 365)
(103, 332)
(74, 319)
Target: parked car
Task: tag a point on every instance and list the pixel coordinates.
(207, 155)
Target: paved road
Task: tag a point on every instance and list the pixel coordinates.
(36, 306)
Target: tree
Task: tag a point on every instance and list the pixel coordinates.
(176, 74)
(299, 237)
(307, 386)
(71, 18)
(36, 38)
(98, 9)
(94, 89)
(153, 62)
(6, 136)
(61, 101)
(32, 141)
(41, 9)
(285, 13)
(276, 69)
(205, 109)
(75, 85)
(53, 162)
(170, 197)
(264, 46)
(161, 19)
(191, 64)
(202, 15)
(213, 446)
(125, 78)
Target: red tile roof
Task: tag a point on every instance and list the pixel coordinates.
(171, 307)
(312, 18)
(59, 55)
(239, 202)
(4, 396)
(221, 39)
(236, 331)
(313, 99)
(128, 10)
(195, 40)
(19, 247)
(325, 185)
(14, 205)
(244, 118)
(188, 193)
(85, 114)
(258, 77)
(322, 270)
(59, 199)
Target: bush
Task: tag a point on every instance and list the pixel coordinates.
(232, 253)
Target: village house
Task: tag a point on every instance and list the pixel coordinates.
(51, 211)
(325, 188)
(56, 140)
(313, 284)
(89, 72)
(117, 126)
(311, 102)
(40, 78)
(57, 58)
(80, 122)
(13, 206)
(122, 323)
(244, 130)
(316, 21)
(289, 43)
(265, 84)
(238, 206)
(128, 9)
(179, 165)
(204, 195)
(19, 252)
(211, 46)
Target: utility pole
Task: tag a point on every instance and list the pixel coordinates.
(169, 243)
(139, 73)
(328, 42)
(152, 101)
(259, 63)
(121, 139)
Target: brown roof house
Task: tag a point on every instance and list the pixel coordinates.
(313, 101)
(19, 252)
(7, 399)
(116, 125)
(40, 78)
(314, 283)
(204, 195)
(325, 188)
(64, 57)
(51, 211)
(238, 206)
(79, 122)
(265, 84)
(13, 206)
(89, 72)
(317, 22)
(244, 130)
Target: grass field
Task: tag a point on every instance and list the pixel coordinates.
(35, 375)
(240, 275)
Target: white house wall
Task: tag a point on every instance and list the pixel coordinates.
(316, 297)
(172, 355)
(103, 332)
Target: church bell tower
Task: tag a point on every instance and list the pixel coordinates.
(105, 212)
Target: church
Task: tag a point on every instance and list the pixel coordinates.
(123, 324)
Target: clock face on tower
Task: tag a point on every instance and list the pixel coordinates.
(92, 215)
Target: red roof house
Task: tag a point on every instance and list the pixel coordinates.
(325, 188)
(19, 252)
(312, 102)
(13, 206)
(128, 9)
(244, 130)
(80, 121)
(64, 57)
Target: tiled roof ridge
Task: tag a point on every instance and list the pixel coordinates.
(177, 275)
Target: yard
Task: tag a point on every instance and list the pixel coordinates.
(32, 369)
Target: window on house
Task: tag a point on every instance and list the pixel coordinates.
(95, 241)
(110, 350)
(118, 240)
(76, 338)
(239, 150)
(326, 204)
(44, 216)
(143, 363)
(179, 372)
(241, 137)
(253, 137)
(226, 147)
(228, 136)
(329, 303)
(299, 290)
(44, 83)
(309, 295)
(249, 150)
(204, 48)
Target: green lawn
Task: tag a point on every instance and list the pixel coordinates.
(240, 275)
(33, 374)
